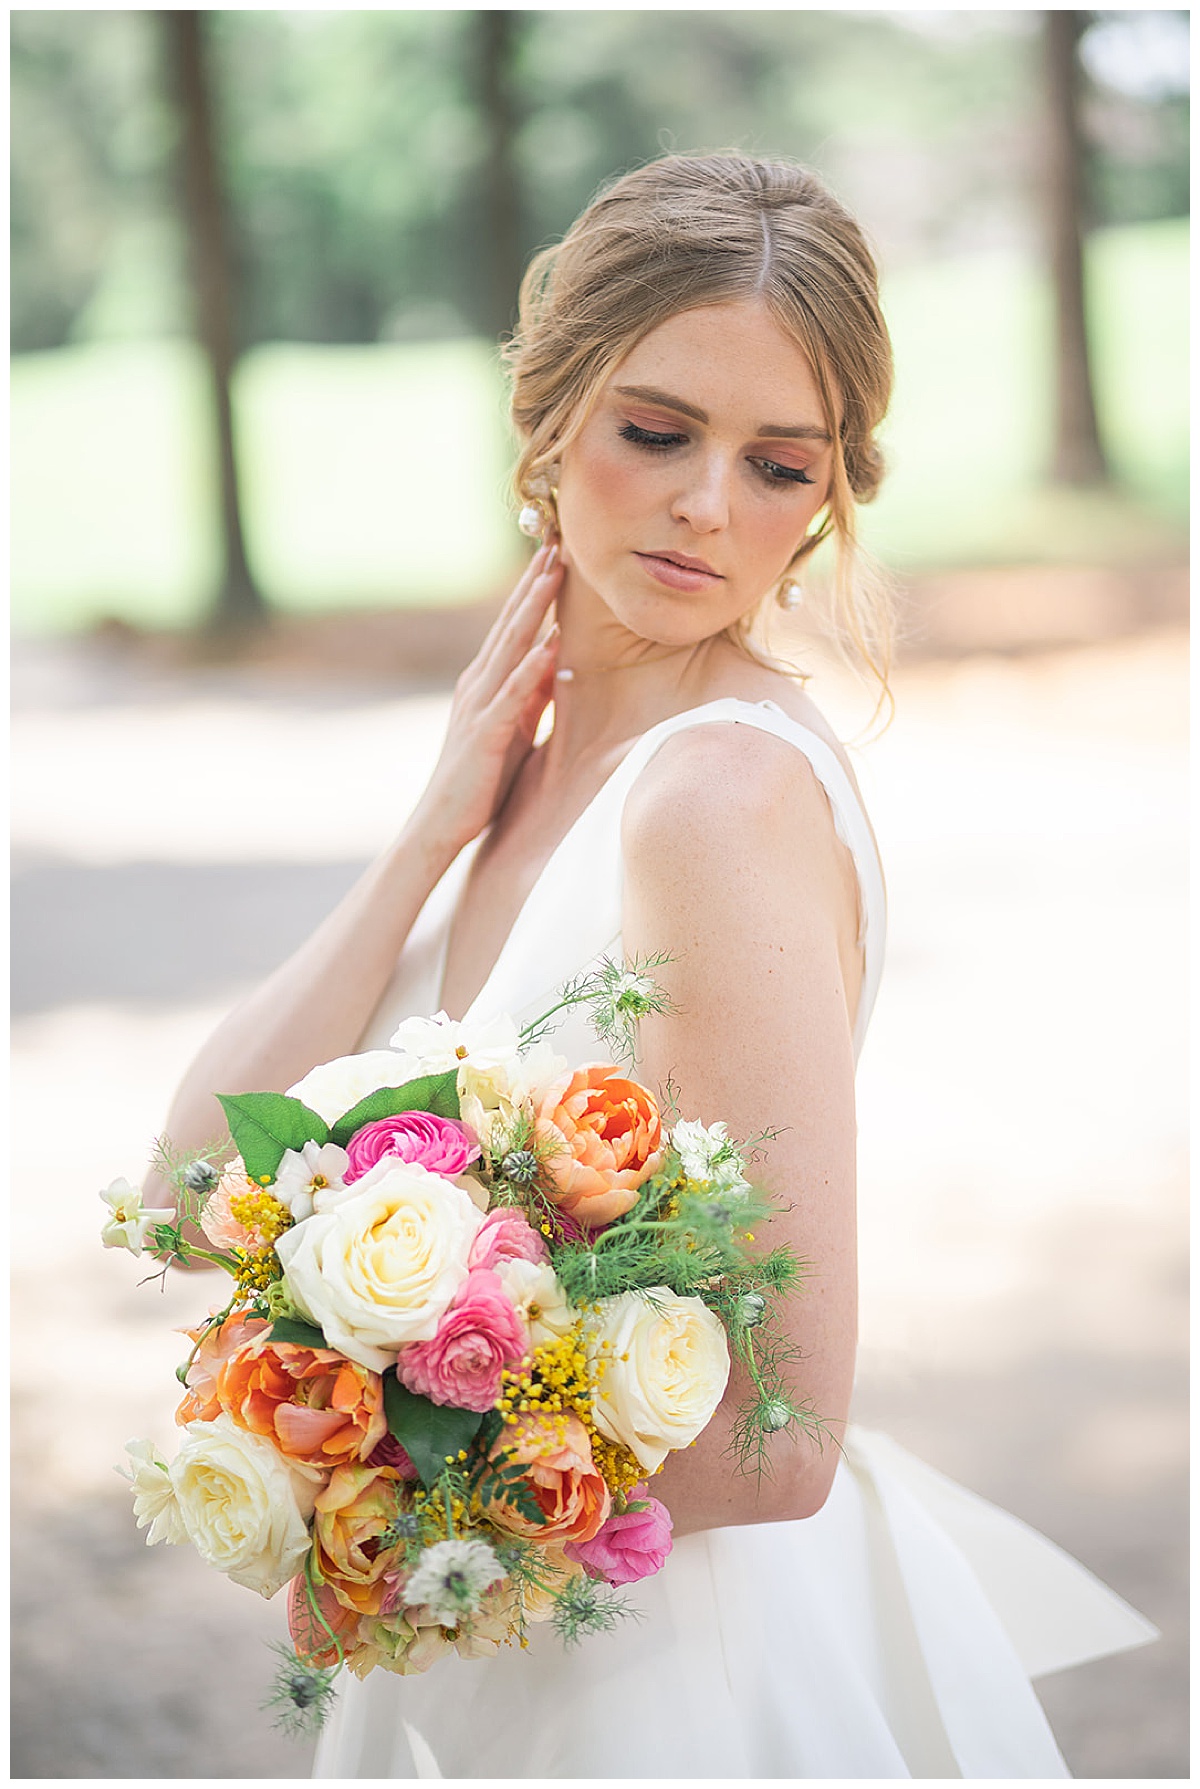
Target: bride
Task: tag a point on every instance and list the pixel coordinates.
(698, 373)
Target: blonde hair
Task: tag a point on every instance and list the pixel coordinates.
(692, 230)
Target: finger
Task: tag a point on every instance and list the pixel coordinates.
(497, 648)
(520, 633)
(536, 664)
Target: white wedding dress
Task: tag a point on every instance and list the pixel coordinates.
(894, 1634)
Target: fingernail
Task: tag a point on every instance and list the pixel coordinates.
(551, 557)
(566, 675)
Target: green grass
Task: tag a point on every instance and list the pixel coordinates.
(375, 476)
(969, 435)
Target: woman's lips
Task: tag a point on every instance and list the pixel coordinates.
(676, 576)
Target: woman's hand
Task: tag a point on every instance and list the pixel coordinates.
(498, 702)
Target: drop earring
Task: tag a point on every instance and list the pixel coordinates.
(539, 517)
(790, 595)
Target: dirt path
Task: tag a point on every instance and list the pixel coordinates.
(1022, 1112)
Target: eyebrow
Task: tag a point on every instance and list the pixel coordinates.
(807, 431)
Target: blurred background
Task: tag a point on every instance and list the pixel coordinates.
(260, 265)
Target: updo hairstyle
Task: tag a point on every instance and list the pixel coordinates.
(693, 230)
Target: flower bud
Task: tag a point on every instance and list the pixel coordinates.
(200, 1176)
(774, 1416)
(751, 1309)
(520, 1166)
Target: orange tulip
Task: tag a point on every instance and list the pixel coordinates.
(217, 1347)
(353, 1512)
(317, 1407)
(562, 1476)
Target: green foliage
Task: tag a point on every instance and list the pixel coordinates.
(588, 1606)
(509, 1483)
(428, 1093)
(303, 1335)
(429, 1433)
(264, 1125)
(301, 1695)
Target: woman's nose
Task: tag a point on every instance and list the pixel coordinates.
(703, 501)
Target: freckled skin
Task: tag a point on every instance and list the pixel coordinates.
(710, 495)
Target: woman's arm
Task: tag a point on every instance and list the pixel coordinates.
(732, 864)
(315, 1006)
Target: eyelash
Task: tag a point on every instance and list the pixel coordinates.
(771, 471)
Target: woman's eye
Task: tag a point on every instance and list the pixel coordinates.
(629, 431)
(777, 474)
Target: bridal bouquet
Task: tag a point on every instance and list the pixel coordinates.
(477, 1300)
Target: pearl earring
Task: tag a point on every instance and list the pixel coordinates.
(790, 595)
(539, 517)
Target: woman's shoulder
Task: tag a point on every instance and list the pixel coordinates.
(712, 780)
(749, 737)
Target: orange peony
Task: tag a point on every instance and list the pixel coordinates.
(218, 1346)
(318, 1408)
(606, 1135)
(352, 1513)
(562, 1475)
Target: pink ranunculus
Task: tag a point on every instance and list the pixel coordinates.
(439, 1144)
(506, 1235)
(628, 1547)
(477, 1338)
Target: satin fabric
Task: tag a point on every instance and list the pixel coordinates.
(893, 1634)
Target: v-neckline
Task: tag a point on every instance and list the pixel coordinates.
(469, 853)
(467, 856)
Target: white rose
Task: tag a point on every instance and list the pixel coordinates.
(381, 1268)
(664, 1369)
(333, 1088)
(244, 1508)
(537, 1297)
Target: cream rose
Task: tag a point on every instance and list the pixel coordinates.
(380, 1269)
(333, 1088)
(244, 1509)
(665, 1365)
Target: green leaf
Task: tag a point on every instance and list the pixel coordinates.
(303, 1335)
(263, 1125)
(428, 1093)
(427, 1431)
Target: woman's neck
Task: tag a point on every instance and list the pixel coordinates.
(613, 684)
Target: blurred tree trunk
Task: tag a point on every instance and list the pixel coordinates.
(496, 36)
(1078, 455)
(239, 602)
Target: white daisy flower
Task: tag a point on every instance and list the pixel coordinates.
(432, 1046)
(452, 1578)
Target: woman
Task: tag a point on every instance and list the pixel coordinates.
(698, 373)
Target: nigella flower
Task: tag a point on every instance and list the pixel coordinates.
(617, 998)
(708, 1153)
(452, 1578)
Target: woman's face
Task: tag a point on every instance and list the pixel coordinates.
(693, 481)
